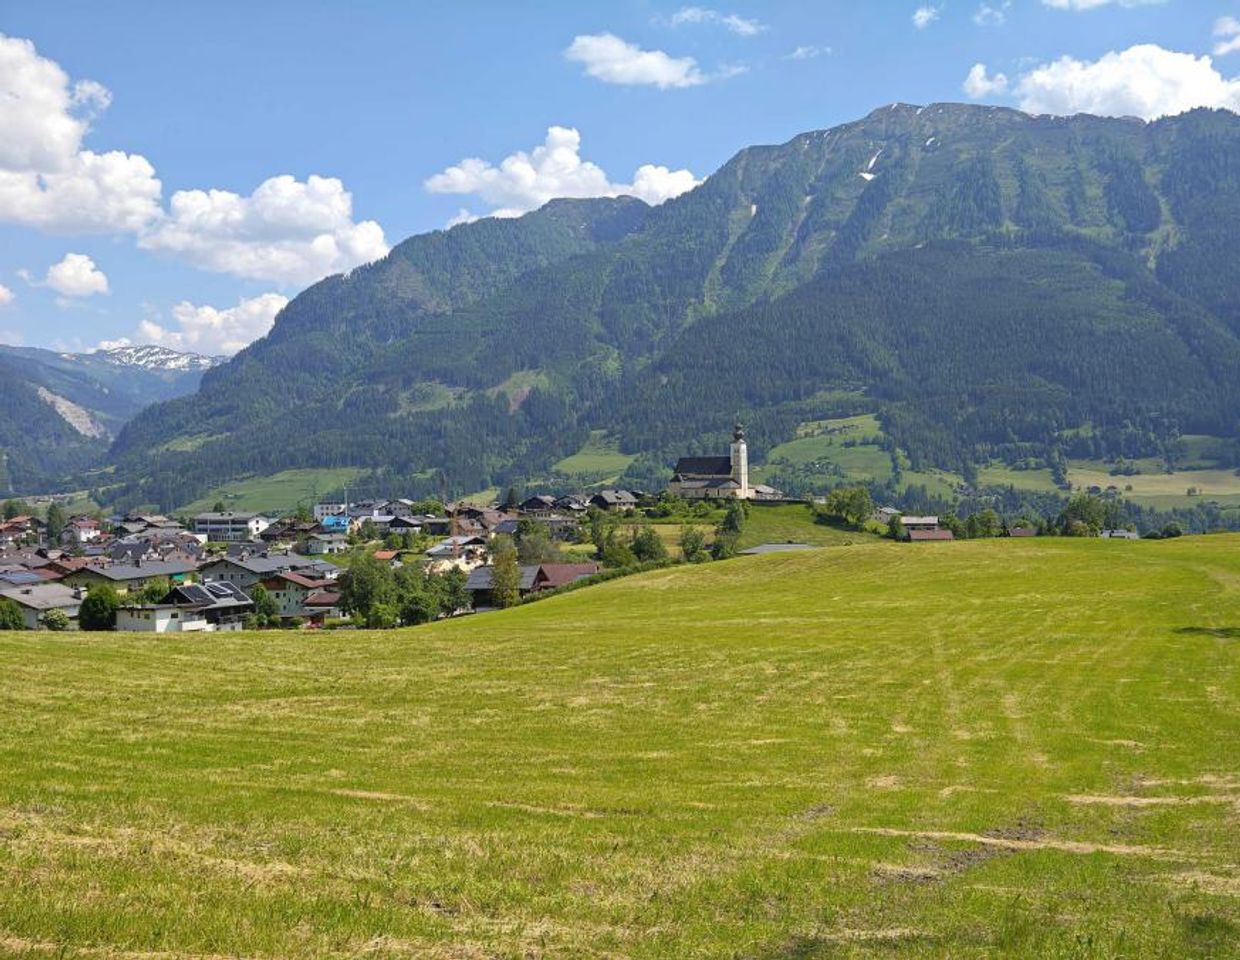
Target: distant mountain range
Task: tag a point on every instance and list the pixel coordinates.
(989, 284)
(59, 411)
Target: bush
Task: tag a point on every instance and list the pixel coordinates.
(98, 610)
(11, 616)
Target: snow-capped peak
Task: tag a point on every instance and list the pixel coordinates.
(151, 357)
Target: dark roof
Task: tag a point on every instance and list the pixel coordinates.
(775, 548)
(930, 535)
(483, 578)
(704, 466)
(552, 575)
(141, 571)
(263, 565)
(217, 595)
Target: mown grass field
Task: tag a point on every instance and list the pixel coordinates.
(277, 493)
(598, 459)
(973, 749)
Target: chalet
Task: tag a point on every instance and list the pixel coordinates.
(291, 590)
(36, 600)
(916, 536)
(80, 531)
(189, 608)
(245, 571)
(289, 530)
(537, 506)
(481, 584)
(571, 503)
(155, 544)
(919, 523)
(128, 577)
(1119, 535)
(615, 499)
(229, 526)
(553, 575)
(885, 515)
(465, 552)
(20, 529)
(322, 544)
(320, 605)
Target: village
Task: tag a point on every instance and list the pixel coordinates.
(387, 562)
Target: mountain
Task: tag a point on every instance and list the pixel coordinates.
(58, 411)
(986, 282)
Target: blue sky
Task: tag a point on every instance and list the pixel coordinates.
(357, 107)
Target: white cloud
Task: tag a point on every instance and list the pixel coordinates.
(525, 181)
(924, 16)
(1143, 81)
(992, 14)
(210, 330)
(608, 58)
(1095, 4)
(76, 276)
(807, 52)
(741, 26)
(6, 295)
(46, 179)
(980, 84)
(286, 231)
(1227, 29)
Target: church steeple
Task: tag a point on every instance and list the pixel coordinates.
(740, 461)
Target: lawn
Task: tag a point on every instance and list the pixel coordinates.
(1161, 489)
(793, 522)
(966, 750)
(598, 459)
(277, 493)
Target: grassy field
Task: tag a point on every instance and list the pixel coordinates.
(966, 750)
(781, 523)
(277, 493)
(599, 459)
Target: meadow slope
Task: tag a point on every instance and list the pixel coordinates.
(1018, 748)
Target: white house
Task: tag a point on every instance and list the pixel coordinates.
(229, 526)
(34, 600)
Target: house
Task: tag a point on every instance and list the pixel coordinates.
(464, 551)
(156, 544)
(128, 577)
(245, 571)
(20, 529)
(320, 605)
(229, 526)
(387, 556)
(919, 523)
(553, 575)
(885, 515)
(189, 608)
(322, 544)
(289, 530)
(537, 506)
(1022, 531)
(80, 531)
(37, 599)
(1119, 535)
(330, 509)
(481, 584)
(916, 536)
(615, 499)
(290, 590)
(719, 478)
(571, 503)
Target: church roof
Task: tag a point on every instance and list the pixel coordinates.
(704, 467)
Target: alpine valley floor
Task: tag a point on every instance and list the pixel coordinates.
(1015, 747)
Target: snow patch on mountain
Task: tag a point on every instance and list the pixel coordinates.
(151, 357)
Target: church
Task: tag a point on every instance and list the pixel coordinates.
(720, 478)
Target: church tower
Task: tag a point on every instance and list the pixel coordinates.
(740, 462)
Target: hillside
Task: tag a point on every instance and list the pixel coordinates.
(1017, 748)
(61, 409)
(992, 286)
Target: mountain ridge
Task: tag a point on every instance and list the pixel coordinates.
(481, 354)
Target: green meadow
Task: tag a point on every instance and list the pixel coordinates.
(1019, 748)
(277, 493)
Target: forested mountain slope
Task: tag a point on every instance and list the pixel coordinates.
(980, 278)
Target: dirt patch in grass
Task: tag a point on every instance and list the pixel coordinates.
(1065, 846)
(1109, 801)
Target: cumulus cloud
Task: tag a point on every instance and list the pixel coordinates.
(608, 58)
(979, 83)
(286, 231)
(6, 295)
(1227, 30)
(210, 330)
(924, 16)
(525, 181)
(1143, 81)
(76, 276)
(741, 26)
(46, 179)
(1095, 4)
(992, 14)
(807, 52)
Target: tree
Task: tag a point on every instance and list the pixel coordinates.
(383, 616)
(452, 593)
(648, 546)
(851, 506)
(367, 583)
(505, 573)
(734, 519)
(98, 610)
(692, 544)
(219, 507)
(984, 523)
(56, 521)
(534, 543)
(266, 609)
(895, 527)
(618, 554)
(1085, 511)
(11, 616)
(154, 591)
(56, 620)
(510, 501)
(724, 546)
(15, 508)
